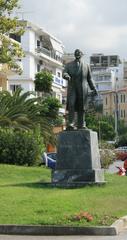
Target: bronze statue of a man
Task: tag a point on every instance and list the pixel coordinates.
(78, 75)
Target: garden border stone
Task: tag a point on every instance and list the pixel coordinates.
(112, 230)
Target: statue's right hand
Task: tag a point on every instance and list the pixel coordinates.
(68, 78)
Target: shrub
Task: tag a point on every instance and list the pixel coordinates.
(122, 141)
(43, 81)
(20, 147)
(107, 154)
(107, 157)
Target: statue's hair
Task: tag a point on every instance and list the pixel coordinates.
(78, 50)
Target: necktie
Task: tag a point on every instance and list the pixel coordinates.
(78, 63)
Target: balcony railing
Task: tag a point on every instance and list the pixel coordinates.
(103, 80)
(50, 53)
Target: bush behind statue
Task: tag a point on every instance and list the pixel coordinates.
(107, 154)
(20, 147)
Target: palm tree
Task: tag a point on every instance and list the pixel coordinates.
(21, 111)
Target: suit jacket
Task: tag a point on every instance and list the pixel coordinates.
(81, 74)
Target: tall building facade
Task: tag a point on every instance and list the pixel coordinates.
(106, 70)
(116, 102)
(107, 73)
(42, 52)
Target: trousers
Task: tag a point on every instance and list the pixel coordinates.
(76, 99)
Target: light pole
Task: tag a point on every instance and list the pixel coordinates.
(116, 108)
(99, 132)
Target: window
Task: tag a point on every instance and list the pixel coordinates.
(124, 98)
(13, 87)
(114, 99)
(58, 74)
(121, 113)
(38, 43)
(38, 67)
(64, 100)
(15, 37)
(117, 98)
(121, 98)
(124, 113)
(106, 101)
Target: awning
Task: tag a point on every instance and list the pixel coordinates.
(57, 46)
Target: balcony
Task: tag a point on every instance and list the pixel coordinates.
(50, 53)
(103, 80)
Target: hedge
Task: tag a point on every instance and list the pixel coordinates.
(20, 147)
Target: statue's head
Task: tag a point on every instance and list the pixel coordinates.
(78, 54)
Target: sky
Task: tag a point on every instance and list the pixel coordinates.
(94, 26)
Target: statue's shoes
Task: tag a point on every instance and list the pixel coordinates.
(70, 127)
(82, 127)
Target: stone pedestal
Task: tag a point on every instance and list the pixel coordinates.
(78, 158)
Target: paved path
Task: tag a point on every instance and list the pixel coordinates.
(121, 236)
(112, 167)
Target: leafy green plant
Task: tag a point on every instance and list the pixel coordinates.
(20, 147)
(107, 156)
(43, 81)
(102, 124)
(122, 140)
(10, 50)
(20, 111)
(49, 108)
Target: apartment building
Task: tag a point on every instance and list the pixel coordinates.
(125, 73)
(42, 52)
(106, 70)
(107, 73)
(116, 101)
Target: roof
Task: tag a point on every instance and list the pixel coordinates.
(41, 30)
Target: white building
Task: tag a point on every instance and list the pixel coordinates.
(106, 71)
(42, 51)
(104, 79)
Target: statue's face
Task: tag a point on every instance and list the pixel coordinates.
(78, 54)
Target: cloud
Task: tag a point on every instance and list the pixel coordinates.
(92, 25)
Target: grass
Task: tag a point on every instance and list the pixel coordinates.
(24, 200)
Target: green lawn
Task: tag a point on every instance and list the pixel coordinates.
(24, 200)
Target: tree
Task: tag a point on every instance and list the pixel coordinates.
(49, 108)
(106, 130)
(122, 140)
(48, 105)
(14, 110)
(10, 50)
(21, 112)
(103, 125)
(122, 128)
(43, 82)
(91, 122)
